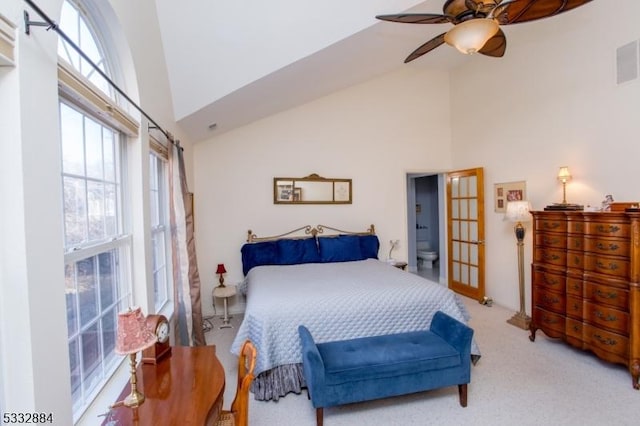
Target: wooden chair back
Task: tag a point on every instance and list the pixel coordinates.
(246, 367)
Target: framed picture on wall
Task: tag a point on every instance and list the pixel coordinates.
(284, 192)
(508, 191)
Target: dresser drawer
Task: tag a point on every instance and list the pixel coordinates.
(574, 307)
(609, 318)
(551, 224)
(549, 239)
(603, 294)
(575, 226)
(549, 300)
(606, 341)
(548, 321)
(575, 259)
(604, 229)
(552, 256)
(574, 286)
(574, 328)
(609, 265)
(550, 280)
(607, 246)
(575, 242)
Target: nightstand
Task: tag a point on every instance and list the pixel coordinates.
(225, 292)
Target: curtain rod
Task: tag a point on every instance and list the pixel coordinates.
(51, 25)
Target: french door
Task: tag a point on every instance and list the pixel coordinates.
(465, 236)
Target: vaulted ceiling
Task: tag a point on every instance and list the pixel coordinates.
(234, 62)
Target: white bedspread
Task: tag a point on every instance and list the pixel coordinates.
(335, 301)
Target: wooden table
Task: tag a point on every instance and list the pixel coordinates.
(183, 389)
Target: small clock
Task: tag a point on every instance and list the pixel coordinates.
(162, 348)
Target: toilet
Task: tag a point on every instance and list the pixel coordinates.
(426, 255)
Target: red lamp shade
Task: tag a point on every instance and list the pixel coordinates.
(133, 333)
(221, 269)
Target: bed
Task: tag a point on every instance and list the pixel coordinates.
(335, 286)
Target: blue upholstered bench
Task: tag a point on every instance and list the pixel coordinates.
(367, 368)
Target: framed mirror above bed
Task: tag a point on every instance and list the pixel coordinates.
(312, 189)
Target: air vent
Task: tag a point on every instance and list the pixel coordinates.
(627, 62)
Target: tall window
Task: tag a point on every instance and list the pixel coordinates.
(97, 242)
(159, 226)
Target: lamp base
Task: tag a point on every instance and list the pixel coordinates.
(520, 320)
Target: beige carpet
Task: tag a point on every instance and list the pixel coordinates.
(515, 382)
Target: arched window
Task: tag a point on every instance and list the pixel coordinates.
(97, 236)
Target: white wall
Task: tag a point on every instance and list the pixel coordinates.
(373, 133)
(551, 101)
(229, 44)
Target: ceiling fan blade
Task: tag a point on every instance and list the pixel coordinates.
(496, 46)
(426, 48)
(416, 18)
(517, 11)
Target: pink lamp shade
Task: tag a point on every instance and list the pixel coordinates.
(133, 333)
(221, 269)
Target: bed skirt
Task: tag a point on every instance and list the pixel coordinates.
(272, 384)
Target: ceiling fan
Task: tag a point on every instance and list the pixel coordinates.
(477, 22)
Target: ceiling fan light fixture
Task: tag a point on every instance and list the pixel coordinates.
(470, 36)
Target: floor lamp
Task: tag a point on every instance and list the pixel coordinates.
(518, 212)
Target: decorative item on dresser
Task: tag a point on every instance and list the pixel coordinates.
(518, 212)
(586, 283)
(564, 176)
(134, 335)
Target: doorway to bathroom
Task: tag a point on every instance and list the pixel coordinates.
(426, 237)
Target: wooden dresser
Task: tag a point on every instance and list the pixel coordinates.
(585, 283)
(184, 389)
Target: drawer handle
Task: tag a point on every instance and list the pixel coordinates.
(605, 295)
(609, 247)
(605, 341)
(608, 229)
(550, 225)
(550, 257)
(550, 281)
(605, 317)
(576, 328)
(551, 241)
(612, 266)
(577, 260)
(549, 320)
(551, 300)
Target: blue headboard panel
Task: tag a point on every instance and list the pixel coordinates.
(316, 249)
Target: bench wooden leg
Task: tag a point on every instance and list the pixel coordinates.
(462, 391)
(319, 416)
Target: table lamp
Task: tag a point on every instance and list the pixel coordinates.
(518, 212)
(221, 270)
(133, 336)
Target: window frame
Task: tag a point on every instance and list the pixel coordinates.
(159, 153)
(80, 94)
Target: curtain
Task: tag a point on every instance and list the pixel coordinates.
(186, 279)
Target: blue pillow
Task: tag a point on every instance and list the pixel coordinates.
(256, 254)
(369, 246)
(342, 248)
(295, 251)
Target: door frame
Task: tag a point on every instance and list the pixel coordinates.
(442, 222)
